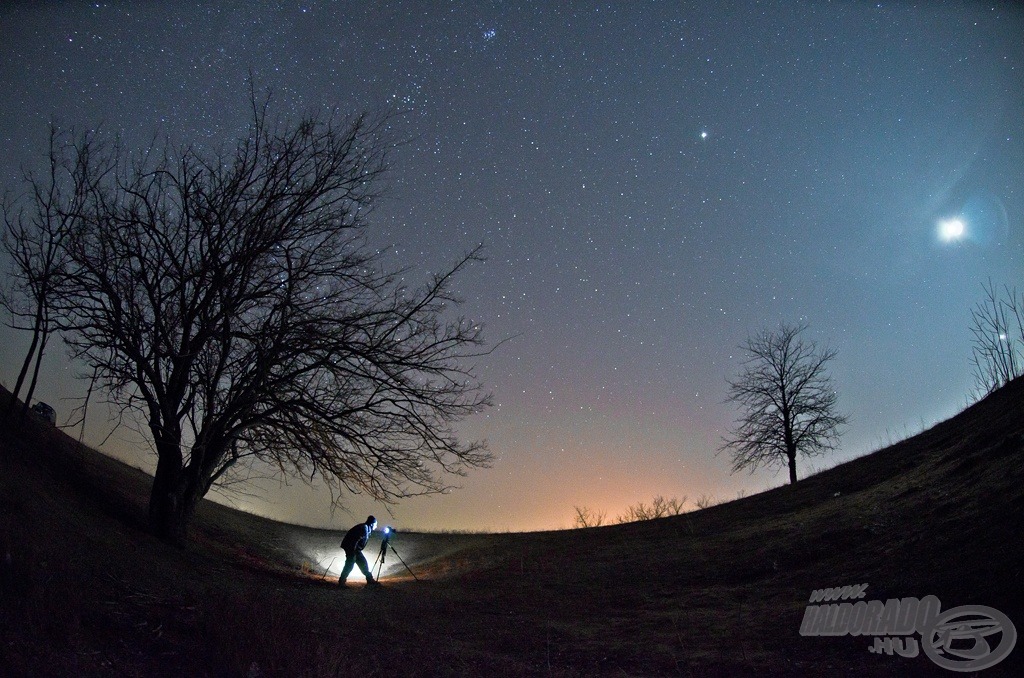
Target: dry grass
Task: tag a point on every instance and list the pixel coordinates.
(715, 592)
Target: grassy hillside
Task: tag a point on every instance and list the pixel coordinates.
(85, 591)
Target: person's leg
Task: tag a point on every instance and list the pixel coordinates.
(350, 561)
(363, 567)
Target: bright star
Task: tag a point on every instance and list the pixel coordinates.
(951, 229)
(704, 135)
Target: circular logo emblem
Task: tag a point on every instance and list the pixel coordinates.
(961, 638)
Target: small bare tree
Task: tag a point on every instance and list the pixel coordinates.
(35, 227)
(658, 508)
(705, 501)
(230, 301)
(587, 517)
(997, 326)
(787, 399)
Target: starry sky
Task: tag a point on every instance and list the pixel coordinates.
(652, 181)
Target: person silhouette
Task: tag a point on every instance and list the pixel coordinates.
(353, 545)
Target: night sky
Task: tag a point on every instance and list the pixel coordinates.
(652, 181)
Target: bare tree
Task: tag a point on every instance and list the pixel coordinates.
(231, 302)
(587, 517)
(658, 508)
(35, 227)
(788, 402)
(705, 501)
(997, 326)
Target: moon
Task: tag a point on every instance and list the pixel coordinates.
(952, 229)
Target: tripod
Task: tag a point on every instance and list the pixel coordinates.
(383, 554)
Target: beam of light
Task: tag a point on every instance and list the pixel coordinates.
(328, 562)
(951, 230)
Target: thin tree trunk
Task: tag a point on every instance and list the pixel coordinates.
(790, 443)
(44, 337)
(25, 365)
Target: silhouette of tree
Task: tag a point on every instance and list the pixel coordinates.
(230, 300)
(705, 501)
(587, 517)
(35, 226)
(658, 508)
(788, 402)
(997, 326)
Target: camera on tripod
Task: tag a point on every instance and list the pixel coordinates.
(385, 542)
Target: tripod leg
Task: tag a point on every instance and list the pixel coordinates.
(403, 563)
(383, 556)
(327, 571)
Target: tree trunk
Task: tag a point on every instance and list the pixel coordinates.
(790, 443)
(174, 513)
(35, 373)
(171, 510)
(24, 367)
(177, 488)
(170, 506)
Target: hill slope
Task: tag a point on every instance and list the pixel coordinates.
(717, 592)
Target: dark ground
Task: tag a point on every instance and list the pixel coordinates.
(87, 592)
